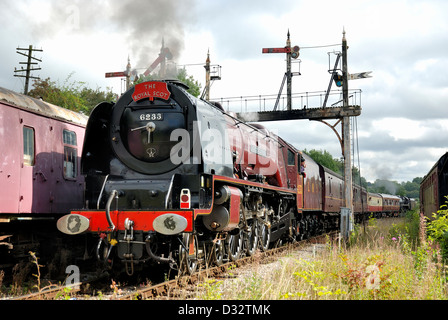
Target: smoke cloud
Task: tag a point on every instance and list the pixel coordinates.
(148, 21)
(143, 23)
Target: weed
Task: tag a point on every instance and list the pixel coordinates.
(314, 279)
(115, 288)
(64, 294)
(438, 230)
(36, 262)
(212, 290)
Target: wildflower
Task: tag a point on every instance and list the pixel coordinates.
(394, 239)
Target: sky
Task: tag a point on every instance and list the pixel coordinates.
(403, 127)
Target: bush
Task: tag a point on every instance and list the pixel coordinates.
(438, 230)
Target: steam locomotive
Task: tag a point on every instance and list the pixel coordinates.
(172, 179)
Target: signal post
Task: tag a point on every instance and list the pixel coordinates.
(346, 139)
(343, 114)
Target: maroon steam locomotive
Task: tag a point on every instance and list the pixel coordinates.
(174, 179)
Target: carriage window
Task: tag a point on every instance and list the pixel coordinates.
(69, 137)
(70, 154)
(28, 146)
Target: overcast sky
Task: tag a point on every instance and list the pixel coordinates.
(403, 127)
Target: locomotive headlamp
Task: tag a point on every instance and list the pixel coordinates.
(185, 199)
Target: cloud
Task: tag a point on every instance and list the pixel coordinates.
(404, 44)
(143, 24)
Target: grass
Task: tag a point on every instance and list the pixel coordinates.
(388, 259)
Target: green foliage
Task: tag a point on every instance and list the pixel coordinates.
(438, 229)
(408, 189)
(76, 96)
(313, 279)
(193, 85)
(72, 95)
(64, 294)
(410, 227)
(211, 290)
(325, 159)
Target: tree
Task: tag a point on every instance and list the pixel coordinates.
(71, 95)
(408, 189)
(325, 159)
(193, 85)
(417, 180)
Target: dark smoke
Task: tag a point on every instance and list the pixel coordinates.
(144, 23)
(148, 21)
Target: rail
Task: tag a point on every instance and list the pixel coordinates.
(168, 288)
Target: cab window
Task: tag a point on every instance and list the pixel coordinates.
(291, 158)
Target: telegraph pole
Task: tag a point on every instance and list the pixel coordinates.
(28, 69)
(348, 183)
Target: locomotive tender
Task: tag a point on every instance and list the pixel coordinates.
(174, 179)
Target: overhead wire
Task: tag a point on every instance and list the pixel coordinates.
(322, 46)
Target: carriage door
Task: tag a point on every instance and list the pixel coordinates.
(37, 164)
(26, 168)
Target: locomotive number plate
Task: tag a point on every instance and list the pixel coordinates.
(151, 116)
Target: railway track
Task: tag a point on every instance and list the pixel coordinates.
(171, 289)
(175, 289)
(50, 293)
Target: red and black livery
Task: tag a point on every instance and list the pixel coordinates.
(175, 179)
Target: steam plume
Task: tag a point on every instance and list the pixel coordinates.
(144, 23)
